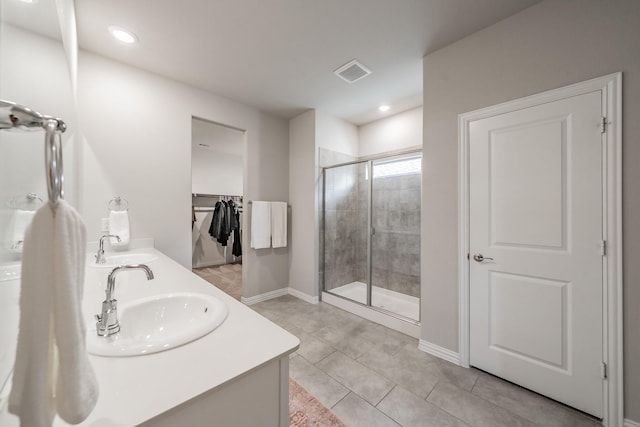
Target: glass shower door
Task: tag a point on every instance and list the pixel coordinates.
(345, 261)
(395, 235)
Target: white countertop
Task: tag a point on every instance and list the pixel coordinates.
(135, 389)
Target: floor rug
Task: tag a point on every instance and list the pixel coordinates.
(307, 411)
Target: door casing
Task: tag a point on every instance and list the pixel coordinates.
(610, 87)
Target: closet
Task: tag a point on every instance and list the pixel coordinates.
(217, 159)
(217, 229)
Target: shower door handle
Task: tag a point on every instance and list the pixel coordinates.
(480, 258)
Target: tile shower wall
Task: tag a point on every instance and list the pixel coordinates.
(396, 243)
(327, 264)
(341, 225)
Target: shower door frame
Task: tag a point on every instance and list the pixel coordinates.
(369, 161)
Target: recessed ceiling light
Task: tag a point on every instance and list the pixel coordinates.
(383, 108)
(28, 1)
(123, 35)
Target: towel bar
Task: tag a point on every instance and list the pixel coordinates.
(15, 116)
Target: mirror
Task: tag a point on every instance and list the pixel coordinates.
(34, 72)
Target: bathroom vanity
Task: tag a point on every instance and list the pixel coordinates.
(237, 375)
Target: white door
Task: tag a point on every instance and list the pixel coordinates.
(536, 219)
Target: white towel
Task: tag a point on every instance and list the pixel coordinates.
(119, 225)
(52, 372)
(279, 224)
(21, 220)
(261, 225)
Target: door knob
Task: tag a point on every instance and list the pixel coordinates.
(480, 258)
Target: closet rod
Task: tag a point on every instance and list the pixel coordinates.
(214, 195)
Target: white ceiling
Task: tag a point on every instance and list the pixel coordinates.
(279, 55)
(206, 135)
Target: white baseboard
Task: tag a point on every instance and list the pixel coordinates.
(441, 352)
(304, 297)
(629, 423)
(263, 297)
(278, 293)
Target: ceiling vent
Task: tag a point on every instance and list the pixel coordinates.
(352, 71)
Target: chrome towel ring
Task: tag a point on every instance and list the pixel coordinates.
(53, 161)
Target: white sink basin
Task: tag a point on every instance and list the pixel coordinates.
(112, 261)
(159, 323)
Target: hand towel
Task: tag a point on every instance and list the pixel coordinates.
(52, 372)
(21, 220)
(119, 225)
(261, 225)
(279, 224)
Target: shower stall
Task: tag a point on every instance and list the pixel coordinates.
(370, 236)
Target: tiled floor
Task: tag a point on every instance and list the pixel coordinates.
(372, 376)
(227, 277)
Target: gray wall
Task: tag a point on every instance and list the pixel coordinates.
(550, 45)
(314, 138)
(146, 158)
(303, 264)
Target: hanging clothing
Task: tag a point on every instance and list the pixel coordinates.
(237, 240)
(218, 222)
(233, 209)
(225, 221)
(221, 224)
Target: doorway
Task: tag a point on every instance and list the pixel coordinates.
(217, 159)
(541, 246)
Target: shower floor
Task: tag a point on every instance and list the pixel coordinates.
(395, 302)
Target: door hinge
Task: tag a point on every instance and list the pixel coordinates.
(603, 124)
(603, 370)
(603, 247)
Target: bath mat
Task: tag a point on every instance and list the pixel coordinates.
(307, 411)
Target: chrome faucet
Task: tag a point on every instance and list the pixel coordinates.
(100, 255)
(107, 322)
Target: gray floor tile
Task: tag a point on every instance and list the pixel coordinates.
(390, 341)
(356, 412)
(304, 322)
(418, 371)
(312, 348)
(368, 384)
(351, 339)
(463, 378)
(318, 383)
(418, 377)
(407, 409)
(529, 405)
(453, 394)
(339, 339)
(473, 409)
